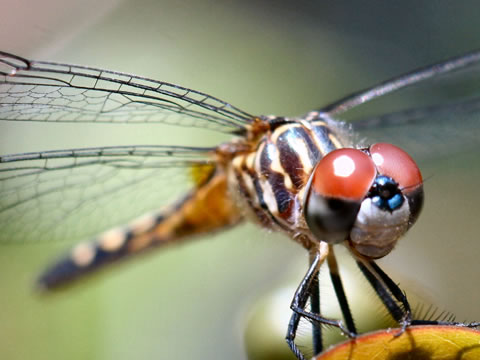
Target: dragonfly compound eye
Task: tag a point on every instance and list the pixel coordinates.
(369, 197)
(395, 163)
(337, 187)
(392, 204)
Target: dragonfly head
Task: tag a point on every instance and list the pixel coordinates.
(368, 197)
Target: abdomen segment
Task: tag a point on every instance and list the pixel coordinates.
(206, 209)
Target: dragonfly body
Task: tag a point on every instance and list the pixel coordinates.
(205, 209)
(302, 176)
(261, 176)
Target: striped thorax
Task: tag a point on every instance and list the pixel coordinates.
(271, 179)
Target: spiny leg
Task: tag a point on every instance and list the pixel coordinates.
(317, 340)
(291, 333)
(339, 291)
(402, 316)
(382, 292)
(299, 302)
(400, 295)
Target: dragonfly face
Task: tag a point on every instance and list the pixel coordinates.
(302, 176)
(352, 195)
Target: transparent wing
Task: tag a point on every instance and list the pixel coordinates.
(428, 133)
(46, 91)
(431, 112)
(70, 195)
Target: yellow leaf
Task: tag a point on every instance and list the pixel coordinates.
(417, 342)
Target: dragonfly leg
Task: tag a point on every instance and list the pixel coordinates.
(394, 289)
(340, 292)
(325, 321)
(388, 292)
(317, 340)
(300, 300)
(298, 307)
(291, 334)
(385, 288)
(448, 323)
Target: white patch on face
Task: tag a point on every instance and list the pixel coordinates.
(371, 214)
(112, 240)
(376, 231)
(83, 254)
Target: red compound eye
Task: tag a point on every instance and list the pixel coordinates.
(396, 164)
(344, 174)
(339, 184)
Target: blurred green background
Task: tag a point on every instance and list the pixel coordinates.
(267, 57)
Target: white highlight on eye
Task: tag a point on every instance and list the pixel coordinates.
(377, 159)
(83, 254)
(343, 166)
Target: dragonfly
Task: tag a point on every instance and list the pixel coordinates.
(306, 177)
